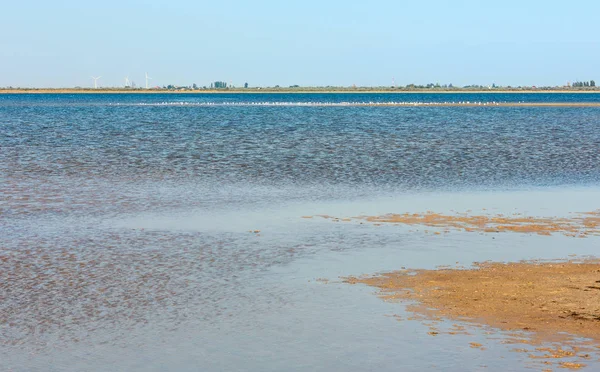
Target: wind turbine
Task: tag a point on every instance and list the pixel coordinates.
(96, 81)
(147, 78)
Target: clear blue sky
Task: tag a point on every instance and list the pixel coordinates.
(527, 42)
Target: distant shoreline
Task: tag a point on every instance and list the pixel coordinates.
(282, 90)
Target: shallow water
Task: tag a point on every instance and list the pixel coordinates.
(126, 224)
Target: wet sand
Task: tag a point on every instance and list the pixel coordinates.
(580, 225)
(547, 299)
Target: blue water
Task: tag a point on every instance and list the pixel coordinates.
(124, 220)
(298, 98)
(407, 147)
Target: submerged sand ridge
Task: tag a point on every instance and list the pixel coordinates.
(580, 225)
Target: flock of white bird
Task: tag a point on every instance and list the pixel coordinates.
(320, 104)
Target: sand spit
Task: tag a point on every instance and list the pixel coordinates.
(544, 299)
(581, 225)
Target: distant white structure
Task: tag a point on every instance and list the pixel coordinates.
(127, 82)
(96, 81)
(147, 78)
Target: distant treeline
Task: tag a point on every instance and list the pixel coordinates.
(223, 86)
(219, 85)
(580, 84)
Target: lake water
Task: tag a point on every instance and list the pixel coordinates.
(125, 223)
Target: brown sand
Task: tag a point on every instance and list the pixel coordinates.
(580, 225)
(544, 298)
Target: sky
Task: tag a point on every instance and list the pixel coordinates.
(62, 43)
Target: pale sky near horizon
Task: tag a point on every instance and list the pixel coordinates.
(62, 43)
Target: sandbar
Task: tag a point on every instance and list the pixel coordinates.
(580, 225)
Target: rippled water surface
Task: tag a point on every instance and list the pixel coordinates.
(164, 232)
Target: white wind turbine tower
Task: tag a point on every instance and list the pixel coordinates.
(96, 81)
(147, 78)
